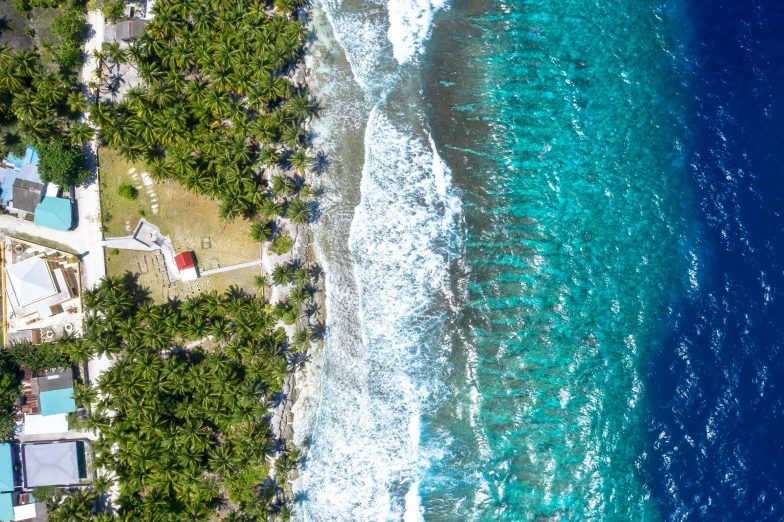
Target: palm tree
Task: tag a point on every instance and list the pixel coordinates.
(298, 296)
(281, 275)
(269, 157)
(81, 134)
(300, 340)
(27, 106)
(76, 102)
(299, 107)
(103, 483)
(279, 185)
(300, 161)
(10, 79)
(261, 231)
(262, 282)
(84, 394)
(77, 507)
(25, 63)
(298, 212)
(270, 209)
(302, 276)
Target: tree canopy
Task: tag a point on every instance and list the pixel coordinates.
(62, 165)
(216, 102)
(187, 430)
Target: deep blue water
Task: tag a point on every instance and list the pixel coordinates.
(715, 418)
(600, 340)
(617, 354)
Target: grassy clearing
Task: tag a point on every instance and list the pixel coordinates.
(40, 21)
(190, 221)
(147, 267)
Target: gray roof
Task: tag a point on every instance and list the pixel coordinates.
(27, 194)
(129, 29)
(52, 464)
(56, 380)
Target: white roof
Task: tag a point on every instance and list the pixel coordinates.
(40, 425)
(31, 280)
(24, 512)
(50, 464)
(189, 274)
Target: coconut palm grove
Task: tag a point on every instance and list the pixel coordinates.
(182, 429)
(216, 104)
(183, 414)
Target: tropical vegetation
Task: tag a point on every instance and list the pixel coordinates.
(217, 109)
(40, 100)
(181, 417)
(128, 191)
(62, 165)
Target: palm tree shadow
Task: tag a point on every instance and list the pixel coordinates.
(320, 162)
(314, 211)
(137, 292)
(278, 399)
(318, 330)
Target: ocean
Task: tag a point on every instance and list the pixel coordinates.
(550, 232)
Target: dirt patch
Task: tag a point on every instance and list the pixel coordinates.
(148, 268)
(12, 24)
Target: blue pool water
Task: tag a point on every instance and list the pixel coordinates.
(567, 263)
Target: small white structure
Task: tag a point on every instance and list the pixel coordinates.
(24, 512)
(186, 265)
(45, 425)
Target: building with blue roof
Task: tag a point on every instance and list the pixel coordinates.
(54, 213)
(6, 468)
(7, 507)
(56, 392)
(13, 168)
(54, 402)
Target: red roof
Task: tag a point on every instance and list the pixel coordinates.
(184, 261)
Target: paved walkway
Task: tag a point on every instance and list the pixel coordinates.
(127, 243)
(230, 268)
(167, 250)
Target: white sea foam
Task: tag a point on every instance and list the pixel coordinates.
(360, 32)
(409, 26)
(366, 461)
(413, 511)
(382, 349)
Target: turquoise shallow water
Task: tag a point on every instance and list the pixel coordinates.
(558, 120)
(574, 316)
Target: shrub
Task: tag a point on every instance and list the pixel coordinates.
(69, 58)
(115, 252)
(114, 10)
(282, 244)
(61, 165)
(128, 191)
(69, 26)
(142, 213)
(22, 6)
